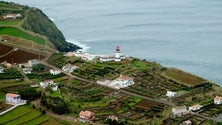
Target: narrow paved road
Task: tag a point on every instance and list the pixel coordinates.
(123, 91)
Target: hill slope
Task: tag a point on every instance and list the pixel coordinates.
(36, 21)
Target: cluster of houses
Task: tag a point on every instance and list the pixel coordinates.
(88, 116)
(121, 82)
(183, 110)
(103, 58)
(27, 67)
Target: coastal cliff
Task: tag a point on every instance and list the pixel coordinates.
(36, 21)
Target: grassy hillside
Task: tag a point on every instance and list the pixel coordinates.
(19, 33)
(38, 22)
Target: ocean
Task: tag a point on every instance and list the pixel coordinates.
(185, 34)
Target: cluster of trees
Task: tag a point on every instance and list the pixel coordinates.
(29, 93)
(10, 73)
(56, 104)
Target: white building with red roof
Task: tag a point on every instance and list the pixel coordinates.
(218, 100)
(195, 107)
(124, 81)
(13, 98)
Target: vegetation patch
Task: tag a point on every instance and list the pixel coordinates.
(21, 34)
(9, 23)
(181, 76)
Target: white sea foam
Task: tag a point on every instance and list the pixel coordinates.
(82, 45)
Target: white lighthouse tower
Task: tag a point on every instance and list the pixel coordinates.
(117, 55)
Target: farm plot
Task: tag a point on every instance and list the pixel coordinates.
(212, 110)
(99, 70)
(20, 56)
(104, 101)
(23, 115)
(152, 84)
(4, 49)
(183, 77)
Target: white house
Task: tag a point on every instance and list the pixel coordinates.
(33, 62)
(13, 98)
(179, 111)
(50, 83)
(195, 107)
(187, 122)
(69, 68)
(46, 83)
(171, 94)
(26, 68)
(124, 81)
(54, 71)
(218, 100)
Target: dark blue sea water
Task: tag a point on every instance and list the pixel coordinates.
(186, 34)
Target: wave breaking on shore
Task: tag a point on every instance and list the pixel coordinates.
(84, 47)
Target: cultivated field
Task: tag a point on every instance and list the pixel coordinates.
(4, 49)
(20, 56)
(27, 116)
(183, 77)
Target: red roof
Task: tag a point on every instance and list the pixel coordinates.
(124, 77)
(12, 95)
(217, 98)
(87, 115)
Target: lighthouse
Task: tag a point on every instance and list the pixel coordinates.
(117, 54)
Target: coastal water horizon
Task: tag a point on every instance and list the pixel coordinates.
(181, 34)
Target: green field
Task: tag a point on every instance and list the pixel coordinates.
(23, 115)
(19, 33)
(9, 23)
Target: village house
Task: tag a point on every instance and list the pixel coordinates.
(218, 100)
(171, 94)
(124, 81)
(13, 98)
(179, 111)
(187, 122)
(33, 62)
(103, 81)
(25, 68)
(86, 116)
(50, 83)
(195, 107)
(69, 68)
(54, 71)
(12, 16)
(112, 118)
(46, 83)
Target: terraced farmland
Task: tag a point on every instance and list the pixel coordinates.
(22, 115)
(4, 49)
(20, 56)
